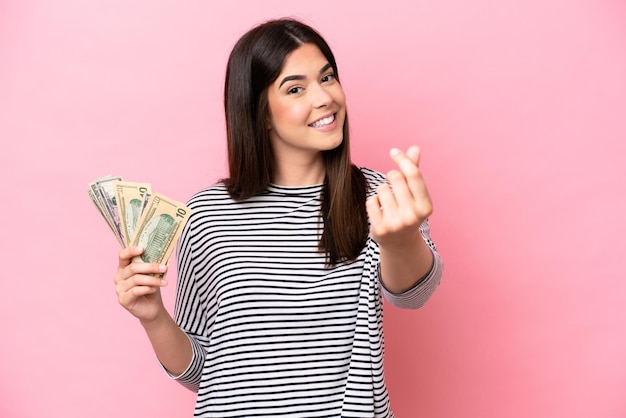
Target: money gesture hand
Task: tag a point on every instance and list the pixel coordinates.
(401, 205)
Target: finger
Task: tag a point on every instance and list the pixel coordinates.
(146, 268)
(135, 268)
(129, 298)
(405, 201)
(387, 200)
(374, 211)
(126, 255)
(138, 291)
(140, 280)
(408, 167)
(414, 153)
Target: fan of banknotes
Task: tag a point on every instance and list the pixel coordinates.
(140, 217)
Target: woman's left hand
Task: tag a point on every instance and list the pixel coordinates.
(399, 207)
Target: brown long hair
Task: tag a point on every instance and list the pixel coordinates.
(255, 62)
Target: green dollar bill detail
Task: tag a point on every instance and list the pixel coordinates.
(156, 237)
(160, 226)
(131, 200)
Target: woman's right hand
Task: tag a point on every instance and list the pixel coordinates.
(138, 285)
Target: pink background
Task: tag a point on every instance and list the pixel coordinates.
(520, 109)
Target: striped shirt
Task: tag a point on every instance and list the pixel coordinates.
(276, 333)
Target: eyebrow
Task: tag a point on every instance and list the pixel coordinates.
(301, 77)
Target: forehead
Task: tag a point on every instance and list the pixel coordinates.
(305, 59)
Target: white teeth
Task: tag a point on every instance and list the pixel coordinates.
(323, 122)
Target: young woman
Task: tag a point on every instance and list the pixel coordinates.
(283, 265)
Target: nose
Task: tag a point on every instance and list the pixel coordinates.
(321, 97)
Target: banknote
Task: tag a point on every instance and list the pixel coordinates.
(159, 228)
(105, 187)
(94, 199)
(101, 194)
(131, 199)
(139, 217)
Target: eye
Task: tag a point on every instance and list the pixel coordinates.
(328, 77)
(294, 90)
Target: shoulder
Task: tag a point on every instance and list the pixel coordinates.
(208, 204)
(209, 196)
(373, 179)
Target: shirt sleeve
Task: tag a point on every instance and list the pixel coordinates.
(190, 313)
(416, 296)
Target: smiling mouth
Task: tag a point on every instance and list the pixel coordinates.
(323, 122)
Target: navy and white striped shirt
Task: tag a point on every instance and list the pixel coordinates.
(275, 333)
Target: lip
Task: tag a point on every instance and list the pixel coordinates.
(328, 127)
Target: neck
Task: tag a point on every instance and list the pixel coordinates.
(305, 172)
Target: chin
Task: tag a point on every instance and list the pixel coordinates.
(334, 143)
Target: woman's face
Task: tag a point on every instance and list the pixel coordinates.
(307, 106)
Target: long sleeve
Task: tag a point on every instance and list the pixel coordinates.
(190, 311)
(416, 296)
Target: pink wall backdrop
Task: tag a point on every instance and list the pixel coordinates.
(520, 109)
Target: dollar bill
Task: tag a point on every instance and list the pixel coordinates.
(139, 217)
(94, 199)
(101, 194)
(159, 228)
(105, 188)
(131, 199)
